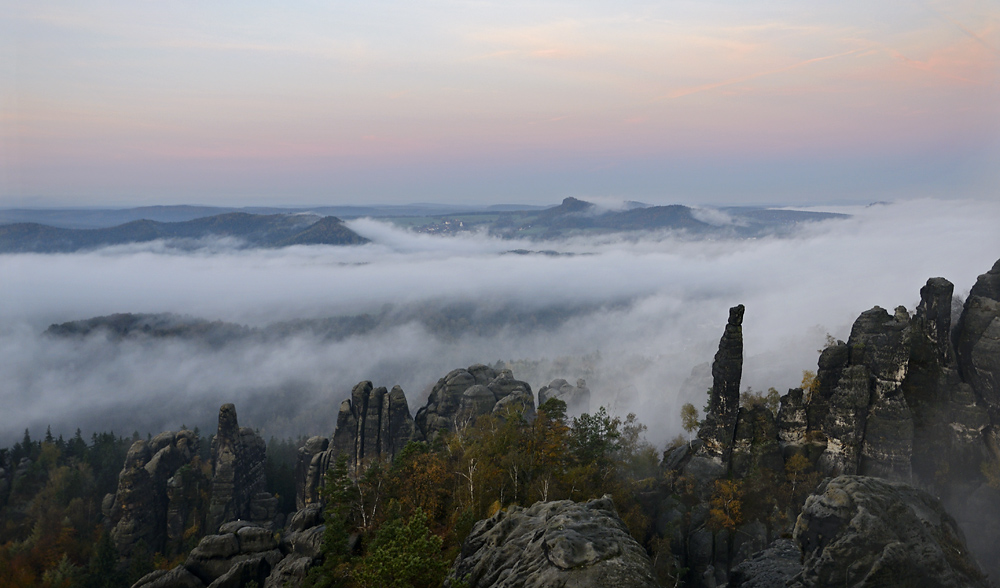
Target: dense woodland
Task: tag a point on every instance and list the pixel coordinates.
(397, 524)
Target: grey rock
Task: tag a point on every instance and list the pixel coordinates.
(216, 546)
(553, 544)
(457, 399)
(255, 539)
(374, 424)
(577, 398)
(307, 543)
(769, 568)
(719, 427)
(977, 341)
(289, 573)
(238, 457)
(177, 577)
(304, 518)
(863, 531)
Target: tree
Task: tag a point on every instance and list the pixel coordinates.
(339, 495)
(689, 418)
(726, 506)
(404, 555)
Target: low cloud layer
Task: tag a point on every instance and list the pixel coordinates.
(647, 309)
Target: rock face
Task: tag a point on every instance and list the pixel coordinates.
(157, 493)
(768, 568)
(373, 424)
(977, 341)
(559, 543)
(862, 531)
(239, 554)
(464, 394)
(577, 398)
(238, 483)
(719, 428)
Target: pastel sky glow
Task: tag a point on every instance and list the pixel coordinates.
(130, 103)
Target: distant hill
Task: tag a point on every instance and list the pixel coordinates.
(100, 218)
(575, 216)
(253, 230)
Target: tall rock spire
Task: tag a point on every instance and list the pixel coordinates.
(720, 423)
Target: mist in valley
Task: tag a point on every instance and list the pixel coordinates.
(633, 314)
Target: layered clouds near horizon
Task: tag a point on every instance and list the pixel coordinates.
(642, 312)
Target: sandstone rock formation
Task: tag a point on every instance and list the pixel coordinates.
(464, 394)
(372, 424)
(153, 506)
(238, 483)
(559, 543)
(577, 398)
(239, 554)
(863, 531)
(897, 401)
(977, 340)
(719, 427)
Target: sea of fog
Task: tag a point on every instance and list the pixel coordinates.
(650, 310)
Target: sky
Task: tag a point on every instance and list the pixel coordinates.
(710, 102)
(645, 311)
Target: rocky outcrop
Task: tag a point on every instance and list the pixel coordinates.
(868, 424)
(373, 424)
(240, 554)
(462, 395)
(157, 493)
(238, 483)
(977, 341)
(577, 398)
(561, 543)
(311, 465)
(770, 567)
(719, 427)
(863, 531)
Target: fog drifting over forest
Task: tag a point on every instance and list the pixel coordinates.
(651, 308)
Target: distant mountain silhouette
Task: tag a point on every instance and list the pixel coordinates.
(253, 230)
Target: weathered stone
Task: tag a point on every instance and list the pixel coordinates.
(217, 546)
(719, 427)
(373, 425)
(552, 544)
(577, 398)
(451, 405)
(289, 573)
(863, 531)
(307, 543)
(238, 457)
(793, 420)
(309, 470)
(304, 518)
(769, 568)
(177, 577)
(254, 539)
(977, 341)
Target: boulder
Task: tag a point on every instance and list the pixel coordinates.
(771, 567)
(560, 543)
(864, 531)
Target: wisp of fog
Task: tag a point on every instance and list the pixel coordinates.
(640, 313)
